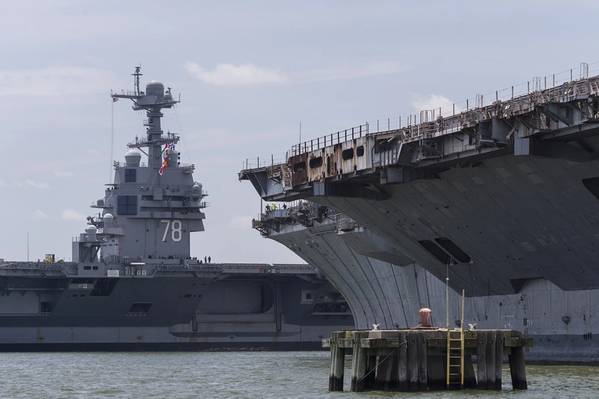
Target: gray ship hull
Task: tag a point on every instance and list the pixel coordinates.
(502, 198)
(560, 323)
(241, 311)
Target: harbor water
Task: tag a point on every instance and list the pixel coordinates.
(233, 375)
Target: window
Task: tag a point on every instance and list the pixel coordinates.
(360, 151)
(127, 205)
(347, 154)
(316, 162)
(130, 175)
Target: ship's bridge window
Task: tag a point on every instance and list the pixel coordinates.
(130, 175)
(127, 205)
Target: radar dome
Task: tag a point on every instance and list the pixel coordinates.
(196, 188)
(155, 89)
(108, 220)
(132, 158)
(91, 229)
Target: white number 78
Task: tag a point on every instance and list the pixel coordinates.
(175, 228)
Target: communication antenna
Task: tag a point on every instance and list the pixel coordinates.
(136, 75)
(300, 133)
(27, 246)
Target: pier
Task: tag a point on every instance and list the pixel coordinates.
(426, 359)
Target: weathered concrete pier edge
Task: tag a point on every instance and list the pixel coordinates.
(416, 359)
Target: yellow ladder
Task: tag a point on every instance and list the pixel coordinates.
(454, 375)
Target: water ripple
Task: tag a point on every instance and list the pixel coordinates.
(269, 375)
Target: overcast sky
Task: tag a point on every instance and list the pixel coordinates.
(248, 72)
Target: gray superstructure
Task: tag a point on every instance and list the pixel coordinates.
(133, 284)
(502, 198)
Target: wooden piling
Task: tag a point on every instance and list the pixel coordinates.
(469, 374)
(384, 370)
(413, 365)
(490, 368)
(435, 369)
(358, 367)
(370, 375)
(403, 383)
(422, 362)
(518, 368)
(481, 361)
(498, 359)
(337, 368)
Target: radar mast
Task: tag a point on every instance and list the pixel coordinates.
(153, 100)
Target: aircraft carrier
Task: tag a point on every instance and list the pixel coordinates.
(132, 283)
(502, 200)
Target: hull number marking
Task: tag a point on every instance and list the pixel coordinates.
(175, 230)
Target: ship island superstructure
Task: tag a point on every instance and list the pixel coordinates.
(133, 284)
(501, 199)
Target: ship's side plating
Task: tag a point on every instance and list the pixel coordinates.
(242, 306)
(561, 323)
(503, 198)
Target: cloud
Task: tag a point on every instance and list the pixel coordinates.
(241, 222)
(62, 173)
(433, 101)
(72, 215)
(346, 72)
(40, 185)
(38, 214)
(252, 75)
(235, 75)
(53, 81)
